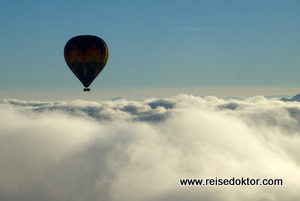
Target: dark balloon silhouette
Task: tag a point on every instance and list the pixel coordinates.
(86, 56)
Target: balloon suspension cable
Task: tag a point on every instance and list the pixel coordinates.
(86, 89)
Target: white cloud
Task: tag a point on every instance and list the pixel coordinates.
(138, 150)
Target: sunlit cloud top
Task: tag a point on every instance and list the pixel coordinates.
(138, 150)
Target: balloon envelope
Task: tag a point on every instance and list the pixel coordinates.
(86, 56)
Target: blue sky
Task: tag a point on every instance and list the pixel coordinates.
(154, 45)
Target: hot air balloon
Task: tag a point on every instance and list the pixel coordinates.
(86, 56)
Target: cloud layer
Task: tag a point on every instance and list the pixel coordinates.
(138, 150)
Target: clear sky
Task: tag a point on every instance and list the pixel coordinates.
(158, 44)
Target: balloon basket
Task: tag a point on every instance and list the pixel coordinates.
(86, 89)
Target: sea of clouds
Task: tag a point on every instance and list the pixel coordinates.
(138, 150)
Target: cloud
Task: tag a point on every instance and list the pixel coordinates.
(138, 150)
(200, 29)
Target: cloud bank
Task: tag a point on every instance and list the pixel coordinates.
(138, 150)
